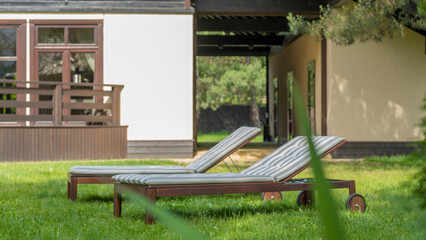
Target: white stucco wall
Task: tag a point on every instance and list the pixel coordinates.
(375, 90)
(152, 56)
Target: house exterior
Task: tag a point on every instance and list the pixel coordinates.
(368, 93)
(147, 46)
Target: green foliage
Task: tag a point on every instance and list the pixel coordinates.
(220, 135)
(420, 156)
(232, 80)
(421, 9)
(364, 21)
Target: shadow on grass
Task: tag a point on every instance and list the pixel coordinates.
(97, 198)
(216, 206)
(238, 211)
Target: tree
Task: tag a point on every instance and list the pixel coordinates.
(362, 21)
(231, 80)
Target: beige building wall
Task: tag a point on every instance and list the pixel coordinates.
(295, 57)
(375, 90)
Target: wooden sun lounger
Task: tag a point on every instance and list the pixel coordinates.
(152, 192)
(96, 178)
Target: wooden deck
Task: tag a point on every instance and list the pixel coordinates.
(60, 121)
(62, 143)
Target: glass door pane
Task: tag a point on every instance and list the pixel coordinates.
(82, 66)
(8, 72)
(51, 35)
(82, 70)
(7, 42)
(81, 35)
(49, 69)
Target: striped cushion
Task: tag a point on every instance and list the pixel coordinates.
(290, 157)
(199, 178)
(109, 170)
(275, 167)
(211, 157)
(220, 150)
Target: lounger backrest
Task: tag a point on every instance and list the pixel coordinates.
(234, 141)
(291, 157)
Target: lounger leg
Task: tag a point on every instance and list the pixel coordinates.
(72, 188)
(117, 202)
(68, 188)
(352, 189)
(310, 197)
(150, 195)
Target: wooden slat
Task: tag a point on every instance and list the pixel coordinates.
(87, 105)
(86, 93)
(87, 118)
(8, 58)
(23, 118)
(33, 91)
(60, 83)
(16, 104)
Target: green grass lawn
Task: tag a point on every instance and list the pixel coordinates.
(220, 135)
(33, 205)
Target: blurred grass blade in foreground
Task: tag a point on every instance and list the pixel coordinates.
(328, 212)
(174, 222)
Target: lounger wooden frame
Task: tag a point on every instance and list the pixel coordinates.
(75, 179)
(152, 192)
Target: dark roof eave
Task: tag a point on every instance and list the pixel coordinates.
(123, 10)
(94, 7)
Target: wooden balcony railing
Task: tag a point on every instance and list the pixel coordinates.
(57, 104)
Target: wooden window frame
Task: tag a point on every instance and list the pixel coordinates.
(20, 58)
(290, 80)
(311, 94)
(67, 48)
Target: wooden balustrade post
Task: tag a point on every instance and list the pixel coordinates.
(57, 105)
(115, 108)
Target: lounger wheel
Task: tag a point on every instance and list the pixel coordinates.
(305, 198)
(356, 202)
(272, 196)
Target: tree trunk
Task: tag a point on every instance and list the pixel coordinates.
(254, 114)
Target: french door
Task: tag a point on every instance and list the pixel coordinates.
(66, 52)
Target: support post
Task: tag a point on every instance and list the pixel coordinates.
(187, 4)
(116, 92)
(57, 105)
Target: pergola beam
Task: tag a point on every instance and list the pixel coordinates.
(233, 51)
(239, 40)
(258, 7)
(242, 25)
